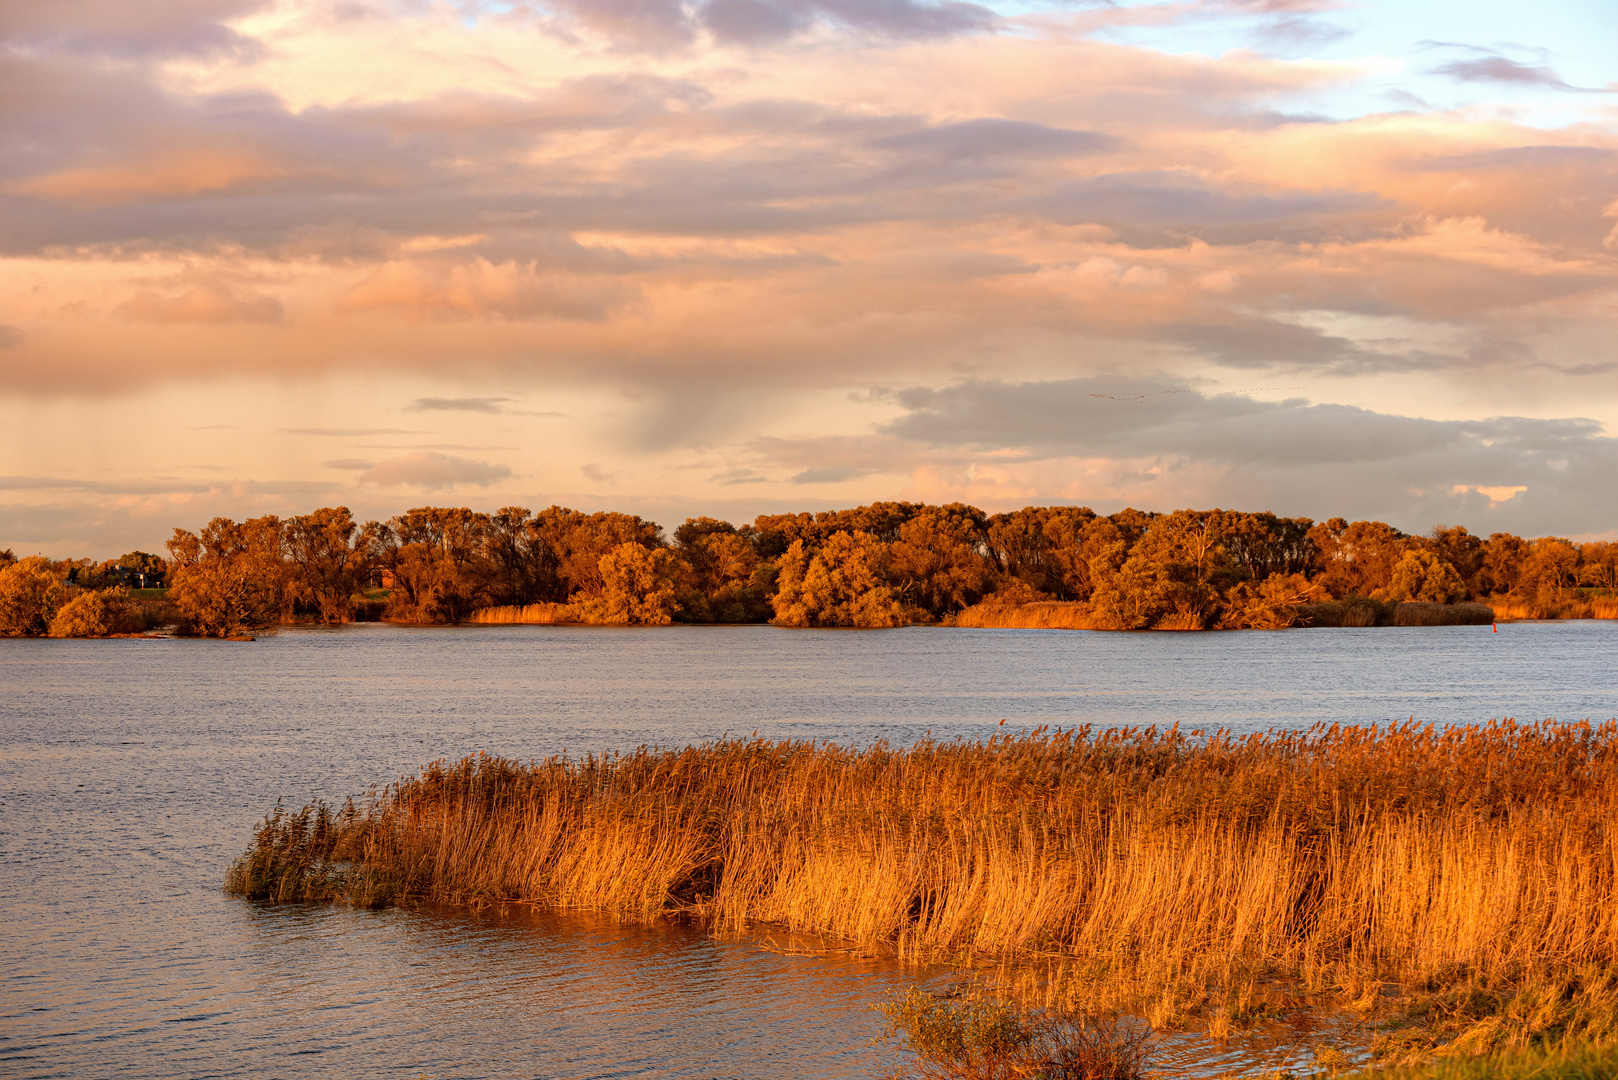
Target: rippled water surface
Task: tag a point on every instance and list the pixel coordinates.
(132, 772)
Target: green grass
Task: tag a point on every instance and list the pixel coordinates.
(1585, 1061)
(149, 594)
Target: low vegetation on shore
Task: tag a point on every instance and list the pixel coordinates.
(882, 565)
(1467, 875)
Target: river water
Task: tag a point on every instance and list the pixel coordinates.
(133, 771)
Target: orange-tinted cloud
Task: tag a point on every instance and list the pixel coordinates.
(722, 229)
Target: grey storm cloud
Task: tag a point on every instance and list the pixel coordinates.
(1502, 69)
(1132, 418)
(1170, 205)
(343, 181)
(165, 485)
(662, 24)
(992, 137)
(1255, 343)
(466, 404)
(833, 475)
(1310, 454)
(118, 28)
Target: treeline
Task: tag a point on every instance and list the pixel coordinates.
(886, 564)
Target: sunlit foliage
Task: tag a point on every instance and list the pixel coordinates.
(31, 593)
(882, 565)
(844, 583)
(98, 614)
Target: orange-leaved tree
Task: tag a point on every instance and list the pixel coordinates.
(98, 614)
(637, 589)
(844, 583)
(332, 556)
(31, 592)
(1423, 576)
(231, 580)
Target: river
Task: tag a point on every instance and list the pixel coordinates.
(133, 771)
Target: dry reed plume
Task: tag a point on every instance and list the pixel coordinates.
(1562, 607)
(1141, 862)
(530, 614)
(1039, 615)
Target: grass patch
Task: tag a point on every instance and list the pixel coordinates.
(1567, 1061)
(1426, 614)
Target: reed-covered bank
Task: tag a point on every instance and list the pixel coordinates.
(1475, 860)
(1356, 611)
(522, 614)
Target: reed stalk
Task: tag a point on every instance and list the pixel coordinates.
(1139, 862)
(528, 614)
(1038, 615)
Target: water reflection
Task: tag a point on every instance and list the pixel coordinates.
(508, 991)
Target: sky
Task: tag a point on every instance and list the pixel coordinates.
(1350, 258)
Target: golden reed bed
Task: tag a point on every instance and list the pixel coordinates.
(1143, 863)
(532, 614)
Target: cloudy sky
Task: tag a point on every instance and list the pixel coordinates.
(1323, 257)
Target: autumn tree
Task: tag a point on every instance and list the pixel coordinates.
(939, 563)
(774, 533)
(1171, 570)
(1049, 548)
(1503, 558)
(1423, 576)
(1271, 604)
(577, 541)
(434, 553)
(637, 589)
(522, 565)
(32, 591)
(1131, 523)
(1463, 551)
(720, 572)
(1356, 559)
(1264, 545)
(1598, 565)
(843, 583)
(1125, 593)
(232, 579)
(332, 557)
(1552, 565)
(98, 614)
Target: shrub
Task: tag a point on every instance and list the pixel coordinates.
(98, 614)
(1422, 614)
